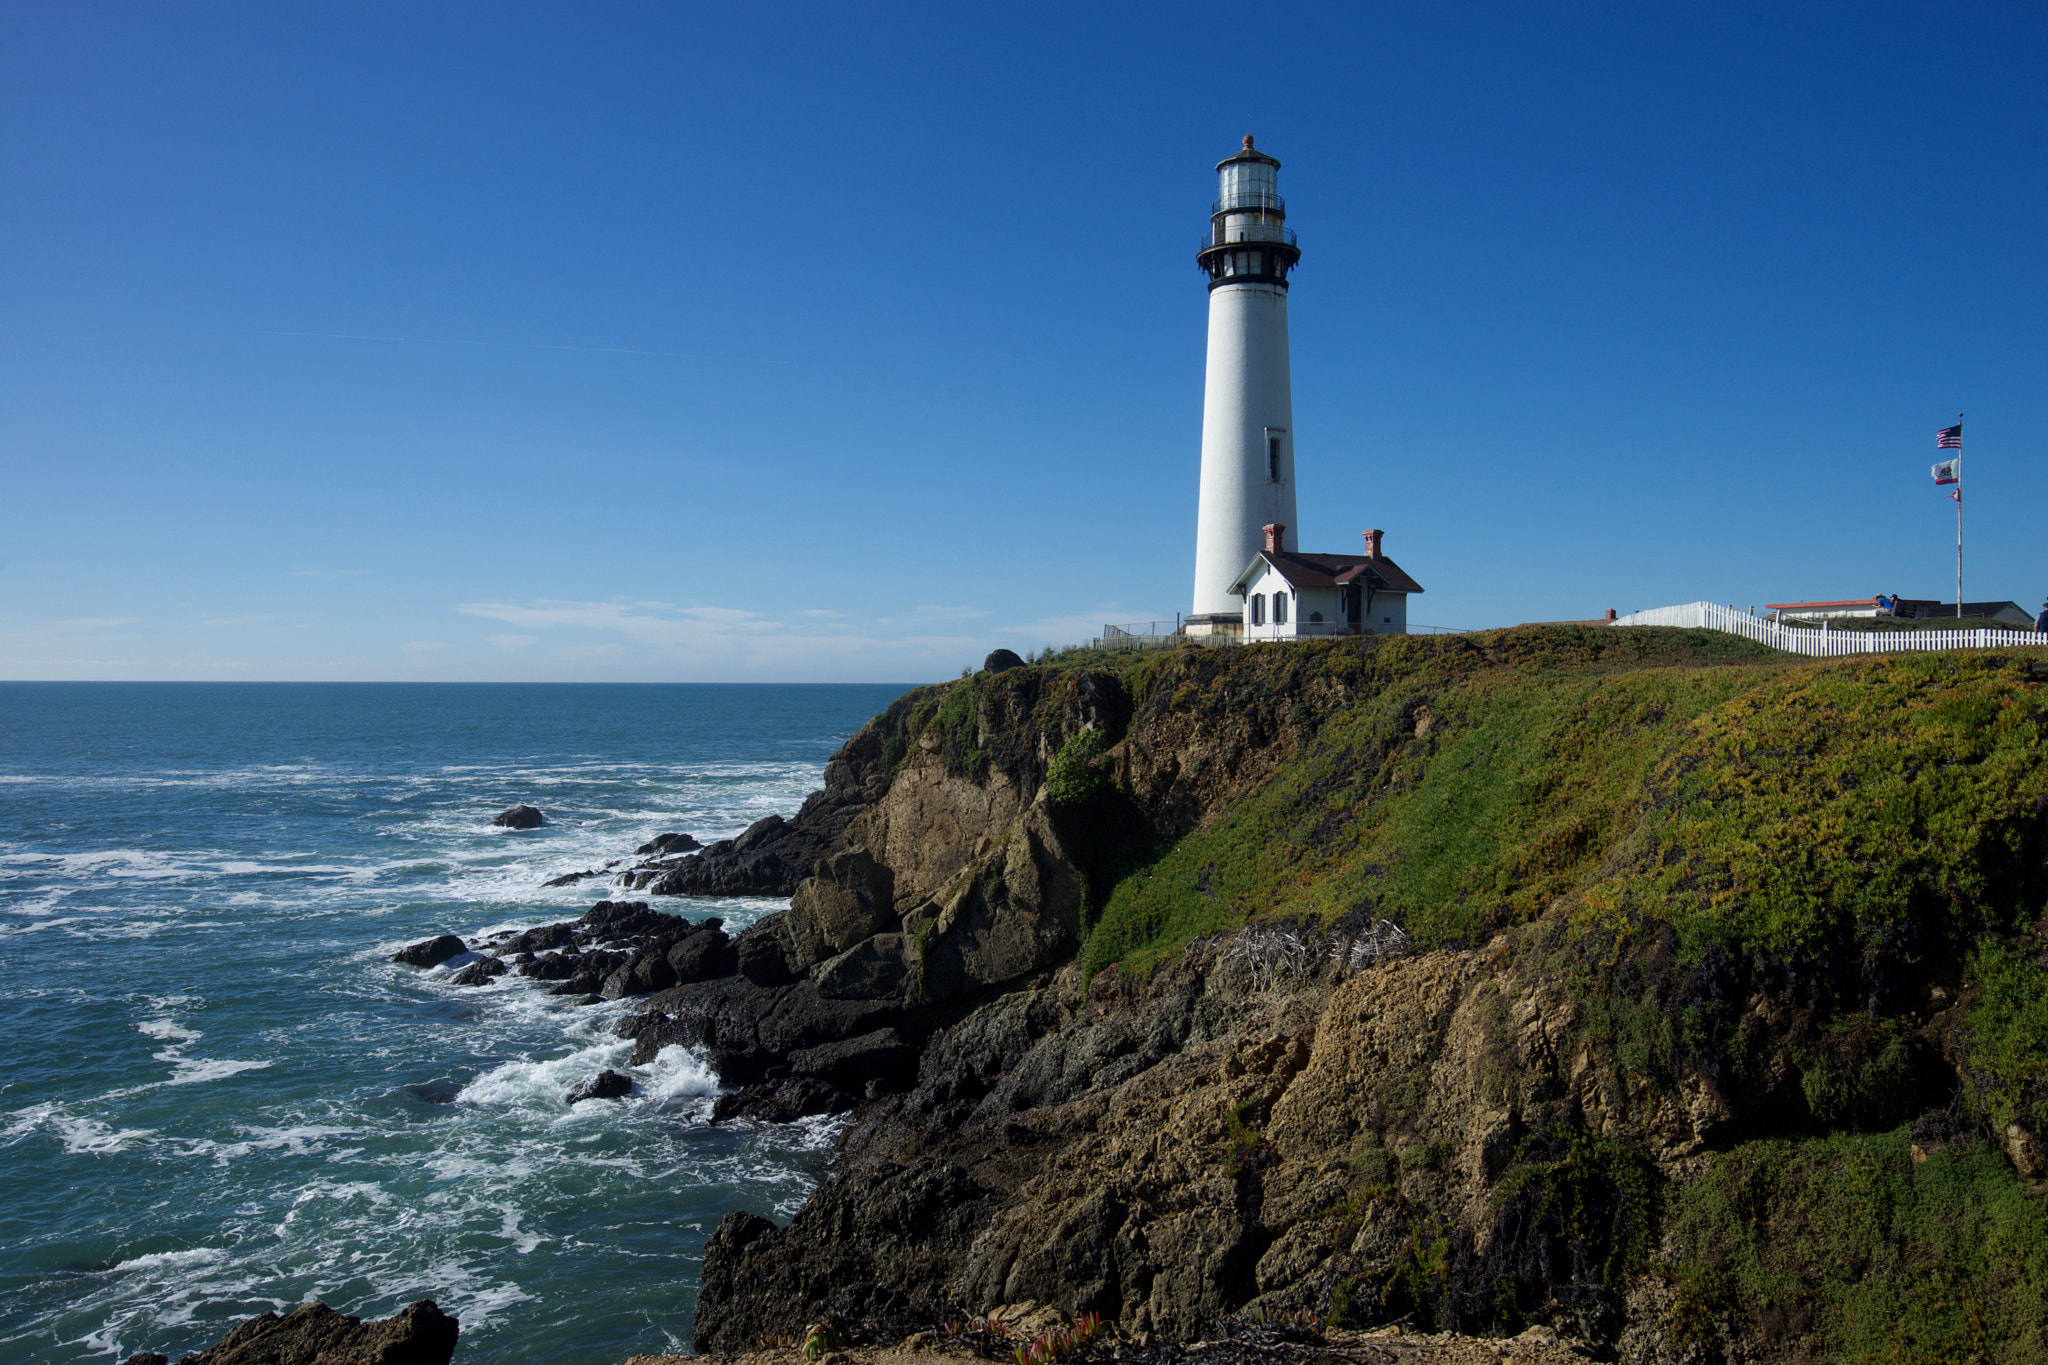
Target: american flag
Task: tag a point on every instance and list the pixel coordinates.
(1949, 438)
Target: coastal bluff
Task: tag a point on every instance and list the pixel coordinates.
(1643, 989)
(1625, 984)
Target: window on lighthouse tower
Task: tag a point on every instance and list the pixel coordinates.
(1273, 458)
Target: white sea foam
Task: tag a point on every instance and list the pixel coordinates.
(79, 1134)
(197, 1072)
(543, 1084)
(173, 1260)
(678, 1073)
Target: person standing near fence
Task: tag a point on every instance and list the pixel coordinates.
(2041, 621)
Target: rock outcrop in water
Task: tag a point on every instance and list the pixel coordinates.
(314, 1334)
(521, 816)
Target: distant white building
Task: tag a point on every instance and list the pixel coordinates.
(1288, 595)
(1904, 608)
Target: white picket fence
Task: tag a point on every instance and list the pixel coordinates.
(1824, 642)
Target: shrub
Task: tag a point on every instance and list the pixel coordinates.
(1074, 778)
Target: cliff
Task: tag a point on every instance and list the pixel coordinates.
(1637, 983)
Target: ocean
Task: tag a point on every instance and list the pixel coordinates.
(219, 1096)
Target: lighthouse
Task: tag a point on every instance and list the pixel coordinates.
(1247, 397)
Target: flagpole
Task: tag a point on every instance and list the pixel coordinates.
(1959, 518)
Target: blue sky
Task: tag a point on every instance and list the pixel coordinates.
(680, 342)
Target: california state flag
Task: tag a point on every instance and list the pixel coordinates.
(1949, 471)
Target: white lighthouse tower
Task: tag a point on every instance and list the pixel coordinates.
(1248, 399)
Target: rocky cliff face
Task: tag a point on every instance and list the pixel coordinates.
(1657, 1135)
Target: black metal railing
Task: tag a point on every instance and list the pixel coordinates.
(1252, 233)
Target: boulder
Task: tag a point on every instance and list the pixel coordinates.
(551, 966)
(885, 1057)
(605, 1085)
(147, 1358)
(664, 844)
(314, 1334)
(851, 898)
(755, 834)
(874, 969)
(521, 816)
(1001, 661)
(761, 953)
(431, 952)
(478, 973)
(611, 921)
(619, 984)
(651, 972)
(704, 955)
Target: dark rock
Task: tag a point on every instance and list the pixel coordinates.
(314, 1334)
(615, 921)
(605, 1085)
(783, 1101)
(885, 1055)
(430, 953)
(478, 973)
(620, 984)
(147, 1358)
(551, 967)
(876, 969)
(774, 855)
(664, 844)
(1001, 661)
(521, 816)
(543, 939)
(702, 956)
(651, 972)
(765, 828)
(851, 897)
(830, 1259)
(761, 954)
(571, 878)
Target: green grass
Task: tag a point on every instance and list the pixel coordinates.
(1753, 806)
(1846, 1242)
(2008, 1037)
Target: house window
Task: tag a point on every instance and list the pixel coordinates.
(1258, 609)
(1315, 618)
(1279, 608)
(1386, 620)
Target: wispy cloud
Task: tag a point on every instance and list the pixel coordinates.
(660, 624)
(424, 646)
(87, 625)
(512, 642)
(525, 346)
(328, 573)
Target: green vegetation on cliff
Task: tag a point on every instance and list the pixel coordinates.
(1750, 803)
(1805, 896)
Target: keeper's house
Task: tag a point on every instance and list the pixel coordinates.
(1288, 595)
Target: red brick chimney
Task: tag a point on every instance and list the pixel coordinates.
(1274, 533)
(1372, 544)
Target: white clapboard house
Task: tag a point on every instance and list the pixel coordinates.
(1288, 594)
